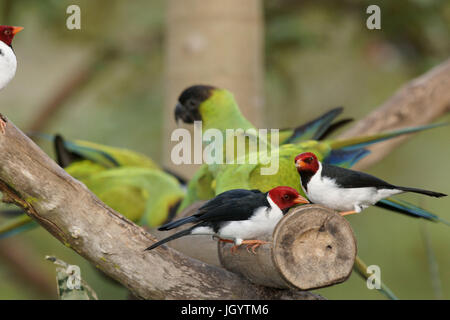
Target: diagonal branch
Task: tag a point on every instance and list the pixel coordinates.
(419, 102)
(115, 245)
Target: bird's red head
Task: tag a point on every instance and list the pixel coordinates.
(286, 197)
(7, 33)
(307, 161)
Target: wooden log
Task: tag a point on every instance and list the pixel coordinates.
(311, 247)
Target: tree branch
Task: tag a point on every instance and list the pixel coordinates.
(77, 218)
(419, 102)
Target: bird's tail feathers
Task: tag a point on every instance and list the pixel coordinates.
(11, 213)
(422, 191)
(317, 128)
(172, 237)
(361, 142)
(16, 225)
(177, 223)
(361, 268)
(333, 127)
(64, 157)
(79, 151)
(409, 209)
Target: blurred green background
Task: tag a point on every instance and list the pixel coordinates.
(317, 56)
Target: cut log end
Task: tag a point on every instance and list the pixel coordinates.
(311, 247)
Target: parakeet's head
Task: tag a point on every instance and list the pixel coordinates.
(189, 102)
(215, 107)
(286, 197)
(7, 33)
(307, 161)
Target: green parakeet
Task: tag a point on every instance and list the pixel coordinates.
(127, 181)
(217, 109)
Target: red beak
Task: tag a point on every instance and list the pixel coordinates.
(16, 30)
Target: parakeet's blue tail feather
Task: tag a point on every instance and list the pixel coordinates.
(315, 129)
(345, 158)
(13, 231)
(364, 141)
(404, 207)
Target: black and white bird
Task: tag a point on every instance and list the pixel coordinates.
(238, 216)
(8, 61)
(343, 189)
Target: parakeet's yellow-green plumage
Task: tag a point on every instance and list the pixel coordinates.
(107, 156)
(143, 195)
(127, 181)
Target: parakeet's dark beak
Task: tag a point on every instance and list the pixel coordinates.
(179, 110)
(185, 114)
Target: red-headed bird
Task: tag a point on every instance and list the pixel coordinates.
(8, 61)
(238, 216)
(343, 189)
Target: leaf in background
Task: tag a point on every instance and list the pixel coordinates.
(69, 282)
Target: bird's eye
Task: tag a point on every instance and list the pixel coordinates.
(310, 159)
(7, 32)
(286, 197)
(191, 103)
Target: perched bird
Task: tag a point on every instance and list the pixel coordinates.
(238, 216)
(346, 190)
(8, 61)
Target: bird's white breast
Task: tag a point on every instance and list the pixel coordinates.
(8, 64)
(262, 222)
(325, 191)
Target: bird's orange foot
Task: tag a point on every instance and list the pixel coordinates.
(233, 248)
(345, 213)
(254, 244)
(2, 123)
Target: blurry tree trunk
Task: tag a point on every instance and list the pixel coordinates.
(218, 43)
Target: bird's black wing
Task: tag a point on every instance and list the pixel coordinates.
(225, 197)
(347, 178)
(238, 204)
(216, 209)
